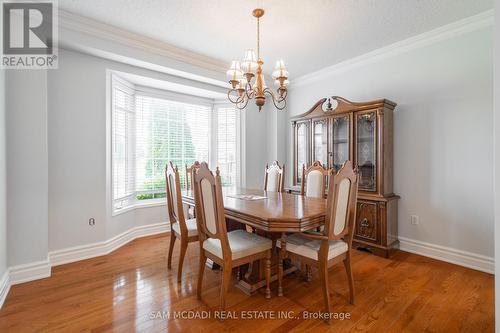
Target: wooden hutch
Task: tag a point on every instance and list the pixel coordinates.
(335, 130)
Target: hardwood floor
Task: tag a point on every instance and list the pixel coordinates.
(130, 289)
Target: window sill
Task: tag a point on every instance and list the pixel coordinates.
(140, 204)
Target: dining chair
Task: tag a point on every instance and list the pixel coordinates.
(189, 174)
(333, 244)
(228, 249)
(275, 177)
(185, 230)
(313, 185)
(190, 211)
(274, 182)
(314, 180)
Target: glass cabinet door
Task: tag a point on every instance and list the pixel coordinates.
(366, 153)
(302, 144)
(340, 141)
(320, 141)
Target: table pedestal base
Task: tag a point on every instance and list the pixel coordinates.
(250, 287)
(252, 277)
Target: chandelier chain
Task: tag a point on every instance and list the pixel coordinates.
(258, 37)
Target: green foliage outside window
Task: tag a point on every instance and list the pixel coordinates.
(170, 140)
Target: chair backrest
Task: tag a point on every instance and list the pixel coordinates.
(174, 198)
(341, 205)
(210, 207)
(314, 180)
(190, 174)
(275, 177)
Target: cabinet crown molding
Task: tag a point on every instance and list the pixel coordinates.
(338, 105)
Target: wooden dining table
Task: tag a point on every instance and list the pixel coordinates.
(270, 214)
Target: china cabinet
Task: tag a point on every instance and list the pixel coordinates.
(335, 130)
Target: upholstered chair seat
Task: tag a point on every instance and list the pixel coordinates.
(309, 248)
(192, 228)
(242, 244)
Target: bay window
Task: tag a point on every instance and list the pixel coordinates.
(150, 128)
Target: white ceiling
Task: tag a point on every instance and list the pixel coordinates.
(308, 35)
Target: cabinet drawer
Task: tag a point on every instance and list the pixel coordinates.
(367, 222)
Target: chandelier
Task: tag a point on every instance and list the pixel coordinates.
(241, 77)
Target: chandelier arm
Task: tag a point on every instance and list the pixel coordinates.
(241, 99)
(277, 102)
(249, 91)
(245, 101)
(234, 101)
(269, 92)
(282, 97)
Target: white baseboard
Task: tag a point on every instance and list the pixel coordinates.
(83, 252)
(448, 254)
(29, 272)
(23, 273)
(4, 287)
(42, 269)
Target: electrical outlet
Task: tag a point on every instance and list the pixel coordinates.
(91, 221)
(414, 219)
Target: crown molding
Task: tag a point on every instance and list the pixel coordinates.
(101, 30)
(469, 24)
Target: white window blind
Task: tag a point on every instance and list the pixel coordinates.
(123, 147)
(167, 131)
(227, 144)
(150, 128)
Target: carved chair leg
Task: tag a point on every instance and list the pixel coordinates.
(268, 274)
(226, 280)
(201, 270)
(262, 267)
(250, 265)
(171, 249)
(184, 246)
(350, 280)
(308, 273)
(323, 272)
(280, 272)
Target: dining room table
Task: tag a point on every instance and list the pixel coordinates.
(270, 214)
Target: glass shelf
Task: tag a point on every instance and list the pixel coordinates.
(340, 142)
(366, 151)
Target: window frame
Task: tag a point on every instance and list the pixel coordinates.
(114, 80)
(214, 135)
(117, 81)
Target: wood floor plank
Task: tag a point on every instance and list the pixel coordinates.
(125, 290)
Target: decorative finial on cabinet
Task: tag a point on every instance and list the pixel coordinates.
(329, 105)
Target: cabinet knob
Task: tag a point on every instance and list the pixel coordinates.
(365, 223)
